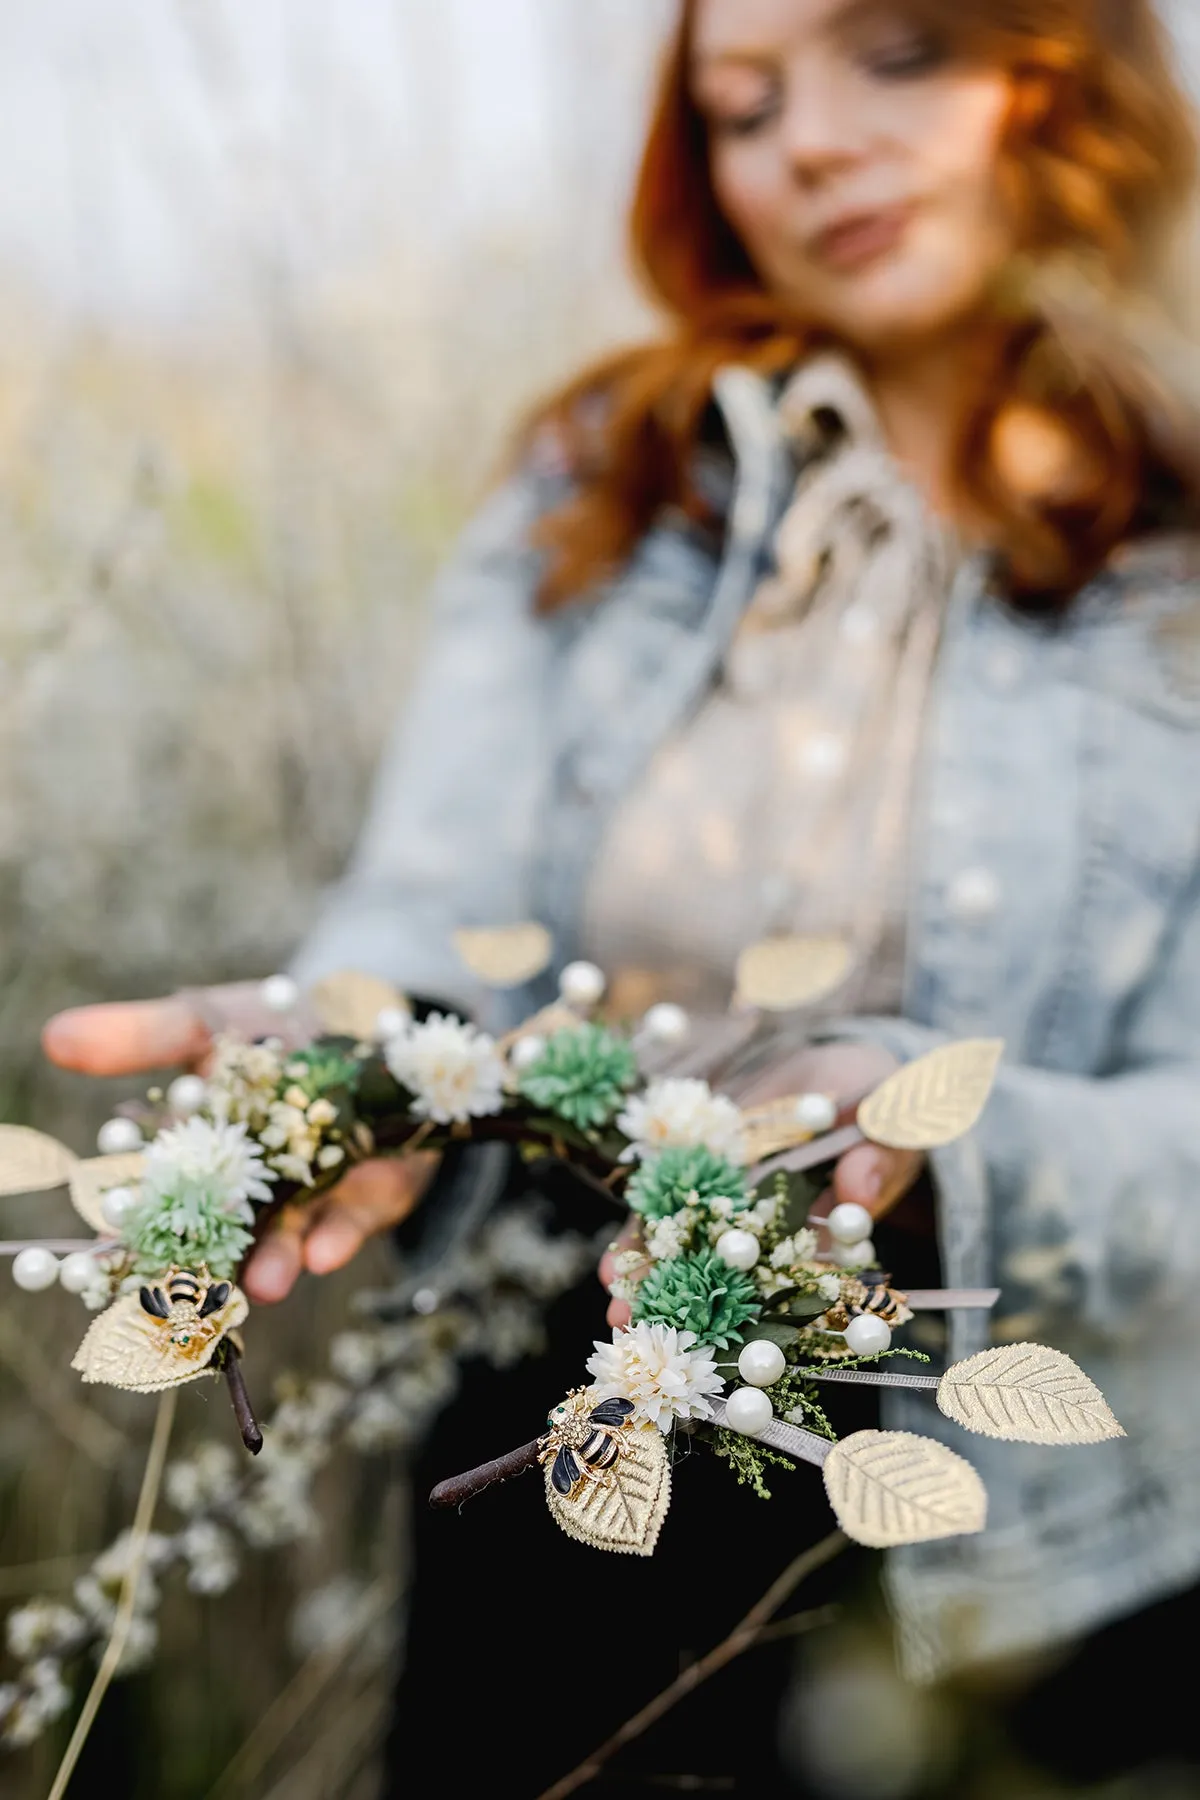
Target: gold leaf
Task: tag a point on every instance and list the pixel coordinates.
(934, 1100)
(349, 1003)
(626, 1512)
(1027, 1394)
(781, 973)
(30, 1161)
(125, 1348)
(91, 1180)
(507, 956)
(891, 1487)
(771, 1127)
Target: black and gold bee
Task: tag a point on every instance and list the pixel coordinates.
(183, 1301)
(584, 1442)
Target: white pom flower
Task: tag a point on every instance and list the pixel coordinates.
(214, 1161)
(452, 1070)
(684, 1112)
(656, 1367)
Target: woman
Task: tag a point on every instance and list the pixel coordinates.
(849, 605)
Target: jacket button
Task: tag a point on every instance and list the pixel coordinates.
(973, 894)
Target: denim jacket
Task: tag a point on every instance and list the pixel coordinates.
(1055, 869)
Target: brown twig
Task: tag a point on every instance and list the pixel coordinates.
(230, 1365)
(743, 1636)
(456, 1490)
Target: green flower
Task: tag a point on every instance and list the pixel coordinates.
(583, 1075)
(187, 1232)
(668, 1181)
(699, 1293)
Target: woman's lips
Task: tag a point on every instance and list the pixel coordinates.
(861, 238)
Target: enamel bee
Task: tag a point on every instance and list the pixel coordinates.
(183, 1302)
(163, 1336)
(584, 1442)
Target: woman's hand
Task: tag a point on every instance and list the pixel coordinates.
(132, 1037)
(869, 1175)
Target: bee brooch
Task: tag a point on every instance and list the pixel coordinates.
(163, 1336)
(608, 1476)
(584, 1442)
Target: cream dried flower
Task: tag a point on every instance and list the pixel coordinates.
(681, 1111)
(655, 1366)
(452, 1070)
(216, 1162)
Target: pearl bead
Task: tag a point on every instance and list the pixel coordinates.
(761, 1363)
(855, 1256)
(116, 1206)
(279, 993)
(581, 984)
(77, 1272)
(868, 1336)
(392, 1022)
(740, 1249)
(187, 1094)
(849, 1223)
(816, 1112)
(34, 1269)
(426, 1301)
(666, 1024)
(526, 1051)
(118, 1136)
(749, 1411)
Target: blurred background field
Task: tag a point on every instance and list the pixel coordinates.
(276, 282)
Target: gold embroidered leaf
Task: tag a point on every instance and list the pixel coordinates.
(771, 1127)
(892, 1487)
(1027, 1394)
(626, 1512)
(349, 1003)
(30, 1161)
(125, 1348)
(506, 956)
(785, 972)
(934, 1100)
(91, 1180)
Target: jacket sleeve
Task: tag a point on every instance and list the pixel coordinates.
(449, 832)
(1080, 1196)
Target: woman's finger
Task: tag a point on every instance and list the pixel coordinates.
(127, 1038)
(876, 1178)
(620, 1312)
(372, 1198)
(271, 1272)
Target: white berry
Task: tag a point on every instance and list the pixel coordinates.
(77, 1272)
(666, 1024)
(526, 1051)
(761, 1363)
(187, 1094)
(855, 1256)
(34, 1269)
(816, 1112)
(739, 1249)
(118, 1136)
(392, 1022)
(581, 984)
(116, 1206)
(749, 1411)
(849, 1223)
(279, 993)
(868, 1336)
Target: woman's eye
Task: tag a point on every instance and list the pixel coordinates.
(743, 124)
(902, 58)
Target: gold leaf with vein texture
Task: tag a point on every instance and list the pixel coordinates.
(506, 956)
(771, 1127)
(348, 1003)
(31, 1162)
(125, 1348)
(1027, 1394)
(782, 973)
(934, 1100)
(92, 1178)
(892, 1487)
(626, 1512)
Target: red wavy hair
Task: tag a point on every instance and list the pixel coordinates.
(1100, 162)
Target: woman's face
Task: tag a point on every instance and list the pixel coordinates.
(857, 163)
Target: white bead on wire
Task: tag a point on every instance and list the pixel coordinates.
(526, 1051)
(761, 1363)
(816, 1112)
(665, 1024)
(279, 993)
(740, 1249)
(35, 1269)
(77, 1272)
(867, 1335)
(118, 1136)
(116, 1206)
(749, 1411)
(582, 984)
(187, 1094)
